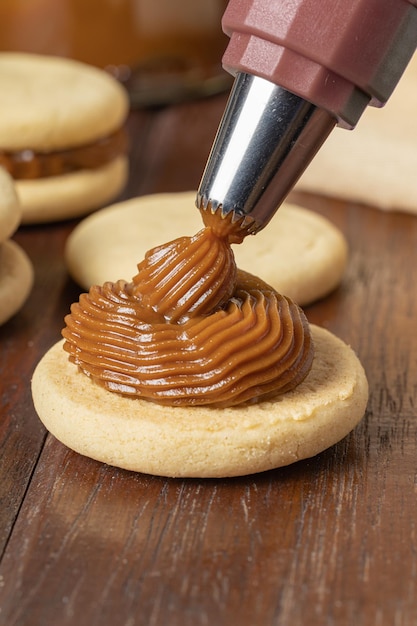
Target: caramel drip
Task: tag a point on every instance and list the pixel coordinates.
(28, 164)
(190, 329)
(187, 277)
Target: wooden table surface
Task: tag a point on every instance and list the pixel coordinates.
(330, 540)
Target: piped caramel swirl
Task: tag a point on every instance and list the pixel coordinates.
(190, 329)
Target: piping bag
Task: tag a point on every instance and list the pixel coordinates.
(301, 68)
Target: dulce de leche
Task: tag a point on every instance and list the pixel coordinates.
(28, 164)
(191, 328)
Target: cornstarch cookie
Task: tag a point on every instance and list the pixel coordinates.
(16, 279)
(196, 367)
(10, 209)
(16, 272)
(376, 163)
(61, 135)
(300, 253)
(146, 437)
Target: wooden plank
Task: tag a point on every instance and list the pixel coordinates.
(22, 340)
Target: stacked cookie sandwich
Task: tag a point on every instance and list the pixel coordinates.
(61, 135)
(16, 273)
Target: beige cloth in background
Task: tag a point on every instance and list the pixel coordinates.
(376, 163)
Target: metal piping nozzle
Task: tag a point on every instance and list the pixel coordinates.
(265, 141)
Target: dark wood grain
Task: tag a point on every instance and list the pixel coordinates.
(330, 540)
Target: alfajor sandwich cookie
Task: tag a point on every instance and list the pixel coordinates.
(16, 272)
(61, 135)
(196, 368)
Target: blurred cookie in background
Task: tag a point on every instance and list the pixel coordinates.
(62, 135)
(301, 254)
(16, 272)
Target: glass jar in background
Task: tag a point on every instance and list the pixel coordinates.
(162, 50)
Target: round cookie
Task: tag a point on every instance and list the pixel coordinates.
(71, 195)
(299, 253)
(199, 441)
(16, 272)
(10, 209)
(51, 106)
(16, 279)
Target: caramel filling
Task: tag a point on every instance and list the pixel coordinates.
(28, 164)
(190, 328)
